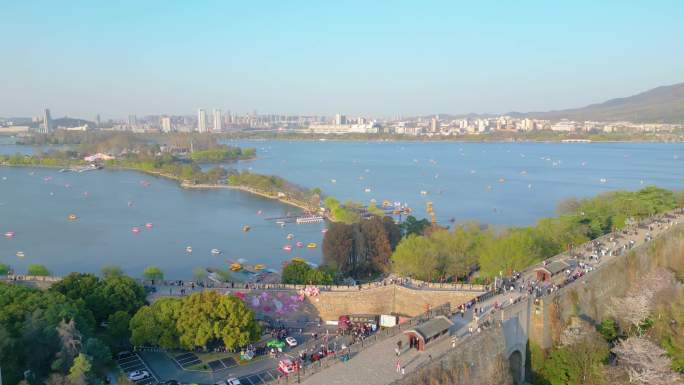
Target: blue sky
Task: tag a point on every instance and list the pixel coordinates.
(379, 58)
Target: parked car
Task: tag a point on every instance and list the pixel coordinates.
(286, 366)
(291, 341)
(233, 381)
(138, 375)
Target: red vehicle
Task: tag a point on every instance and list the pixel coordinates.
(344, 323)
(286, 366)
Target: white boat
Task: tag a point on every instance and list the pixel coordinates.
(309, 219)
(188, 249)
(215, 251)
(367, 190)
(423, 192)
(603, 180)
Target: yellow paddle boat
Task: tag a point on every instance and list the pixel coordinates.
(259, 266)
(312, 245)
(235, 267)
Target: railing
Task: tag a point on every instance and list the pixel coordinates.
(30, 278)
(403, 282)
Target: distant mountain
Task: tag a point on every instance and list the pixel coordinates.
(660, 105)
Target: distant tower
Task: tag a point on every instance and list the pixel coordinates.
(47, 122)
(218, 121)
(434, 125)
(132, 121)
(165, 123)
(98, 121)
(201, 120)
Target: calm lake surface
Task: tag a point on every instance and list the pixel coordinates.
(498, 183)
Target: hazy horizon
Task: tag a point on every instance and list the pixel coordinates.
(380, 59)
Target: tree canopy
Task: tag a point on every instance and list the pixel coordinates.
(195, 321)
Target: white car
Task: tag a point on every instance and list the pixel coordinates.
(291, 341)
(233, 381)
(138, 375)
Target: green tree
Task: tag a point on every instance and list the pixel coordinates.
(209, 316)
(118, 328)
(295, 272)
(609, 329)
(299, 272)
(5, 269)
(157, 324)
(578, 364)
(99, 353)
(81, 370)
(37, 270)
(153, 272)
(77, 286)
(516, 249)
(117, 293)
(144, 327)
(414, 226)
(416, 257)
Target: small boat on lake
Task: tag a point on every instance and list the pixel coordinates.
(300, 244)
(235, 267)
(9, 234)
(148, 225)
(72, 217)
(188, 249)
(20, 254)
(290, 236)
(287, 248)
(215, 251)
(259, 266)
(324, 230)
(246, 228)
(135, 230)
(312, 245)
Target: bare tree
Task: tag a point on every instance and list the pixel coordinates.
(635, 307)
(645, 362)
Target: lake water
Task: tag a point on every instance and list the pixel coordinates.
(498, 183)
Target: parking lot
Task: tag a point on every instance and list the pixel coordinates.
(186, 360)
(260, 378)
(130, 362)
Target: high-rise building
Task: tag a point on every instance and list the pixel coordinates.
(201, 120)
(132, 120)
(165, 123)
(434, 125)
(218, 122)
(98, 121)
(47, 122)
(340, 119)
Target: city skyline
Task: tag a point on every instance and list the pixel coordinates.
(365, 59)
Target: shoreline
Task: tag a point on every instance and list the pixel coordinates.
(185, 184)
